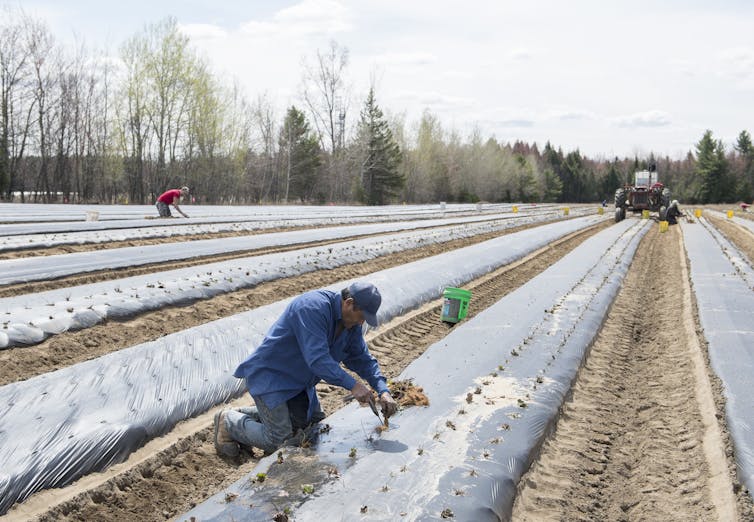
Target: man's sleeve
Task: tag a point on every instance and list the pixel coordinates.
(310, 328)
(363, 363)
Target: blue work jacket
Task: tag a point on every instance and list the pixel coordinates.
(300, 349)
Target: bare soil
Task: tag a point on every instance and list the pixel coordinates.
(640, 438)
(741, 237)
(171, 480)
(118, 273)
(643, 437)
(20, 363)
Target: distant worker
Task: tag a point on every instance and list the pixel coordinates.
(171, 197)
(673, 213)
(317, 331)
(745, 207)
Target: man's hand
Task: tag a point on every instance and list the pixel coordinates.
(388, 405)
(361, 393)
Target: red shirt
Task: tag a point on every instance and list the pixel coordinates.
(169, 196)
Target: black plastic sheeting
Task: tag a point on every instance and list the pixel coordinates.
(723, 282)
(494, 384)
(59, 426)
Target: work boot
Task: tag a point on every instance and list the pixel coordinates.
(224, 444)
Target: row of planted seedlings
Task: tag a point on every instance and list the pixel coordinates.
(13, 271)
(31, 318)
(723, 283)
(65, 424)
(22, 236)
(494, 386)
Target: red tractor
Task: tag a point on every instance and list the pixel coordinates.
(647, 193)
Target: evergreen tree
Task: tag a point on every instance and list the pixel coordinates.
(745, 149)
(553, 187)
(380, 178)
(300, 156)
(611, 182)
(711, 166)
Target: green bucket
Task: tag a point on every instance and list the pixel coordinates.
(456, 304)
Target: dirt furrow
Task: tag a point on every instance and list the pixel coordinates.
(118, 273)
(20, 363)
(633, 441)
(175, 479)
(741, 237)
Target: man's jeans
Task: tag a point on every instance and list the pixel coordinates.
(163, 209)
(268, 429)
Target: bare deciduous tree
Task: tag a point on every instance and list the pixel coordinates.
(326, 96)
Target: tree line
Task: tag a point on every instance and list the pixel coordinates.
(77, 126)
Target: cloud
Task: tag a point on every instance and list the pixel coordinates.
(738, 64)
(202, 31)
(572, 115)
(435, 99)
(309, 17)
(412, 59)
(644, 119)
(514, 123)
(520, 55)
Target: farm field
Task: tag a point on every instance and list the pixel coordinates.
(649, 427)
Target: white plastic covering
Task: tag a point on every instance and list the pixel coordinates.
(62, 425)
(25, 270)
(746, 223)
(723, 282)
(467, 451)
(45, 215)
(29, 319)
(26, 236)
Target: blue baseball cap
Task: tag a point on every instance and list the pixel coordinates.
(368, 299)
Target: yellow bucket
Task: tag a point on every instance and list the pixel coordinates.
(730, 214)
(600, 210)
(645, 214)
(698, 212)
(515, 209)
(663, 226)
(565, 211)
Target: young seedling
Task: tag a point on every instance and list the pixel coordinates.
(261, 477)
(307, 489)
(352, 453)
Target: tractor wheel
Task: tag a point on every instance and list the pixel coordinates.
(663, 213)
(620, 214)
(620, 197)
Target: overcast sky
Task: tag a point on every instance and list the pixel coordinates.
(607, 77)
